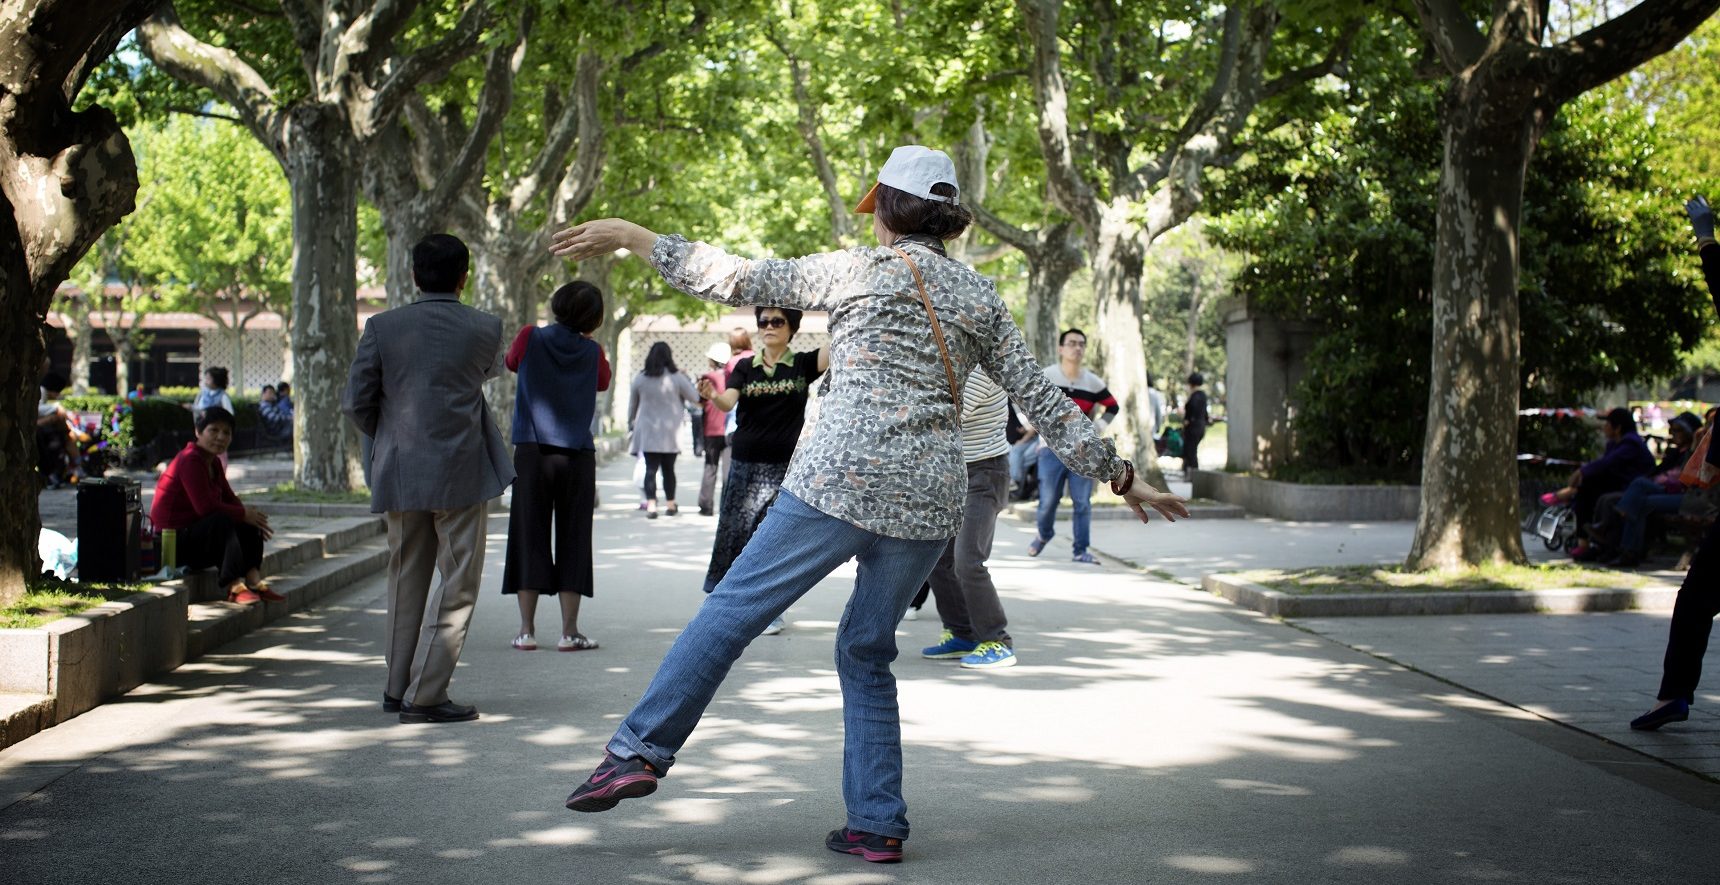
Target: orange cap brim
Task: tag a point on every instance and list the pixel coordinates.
(868, 202)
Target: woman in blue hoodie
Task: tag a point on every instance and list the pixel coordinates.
(560, 371)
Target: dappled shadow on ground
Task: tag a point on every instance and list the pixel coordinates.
(1151, 734)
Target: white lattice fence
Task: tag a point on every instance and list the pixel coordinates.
(257, 359)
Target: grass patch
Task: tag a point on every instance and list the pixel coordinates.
(290, 493)
(49, 600)
(1396, 579)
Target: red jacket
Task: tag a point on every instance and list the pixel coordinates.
(192, 487)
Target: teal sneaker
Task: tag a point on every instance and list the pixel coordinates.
(948, 648)
(989, 655)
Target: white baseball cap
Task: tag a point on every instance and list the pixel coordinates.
(718, 353)
(914, 169)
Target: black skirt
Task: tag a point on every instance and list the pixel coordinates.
(559, 486)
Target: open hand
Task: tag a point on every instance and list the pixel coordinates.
(1701, 217)
(601, 237)
(1142, 496)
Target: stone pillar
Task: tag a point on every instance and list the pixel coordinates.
(1265, 359)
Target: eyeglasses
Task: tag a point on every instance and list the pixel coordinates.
(772, 322)
(1075, 342)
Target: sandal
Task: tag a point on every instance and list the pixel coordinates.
(266, 593)
(525, 642)
(576, 642)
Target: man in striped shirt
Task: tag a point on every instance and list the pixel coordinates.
(1096, 402)
(974, 624)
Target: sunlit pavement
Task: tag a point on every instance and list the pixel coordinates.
(1151, 734)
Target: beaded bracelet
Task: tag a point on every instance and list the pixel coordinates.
(1121, 485)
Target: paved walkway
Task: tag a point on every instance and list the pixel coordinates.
(1153, 733)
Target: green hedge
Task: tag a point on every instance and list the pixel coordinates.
(149, 425)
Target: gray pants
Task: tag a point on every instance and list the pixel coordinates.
(962, 586)
(422, 651)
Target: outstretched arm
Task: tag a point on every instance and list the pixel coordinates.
(601, 237)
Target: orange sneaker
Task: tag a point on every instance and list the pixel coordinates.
(243, 595)
(267, 593)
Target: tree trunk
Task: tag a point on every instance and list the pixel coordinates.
(502, 286)
(123, 353)
(1119, 260)
(65, 178)
(80, 334)
(1048, 271)
(20, 373)
(1469, 478)
(322, 168)
(403, 229)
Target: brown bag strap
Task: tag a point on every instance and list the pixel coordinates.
(937, 333)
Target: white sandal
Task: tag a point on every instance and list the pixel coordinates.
(576, 642)
(525, 642)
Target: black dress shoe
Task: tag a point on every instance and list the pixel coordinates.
(390, 705)
(447, 711)
(1677, 711)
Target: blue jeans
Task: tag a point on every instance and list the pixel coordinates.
(1018, 455)
(1052, 476)
(795, 548)
(1641, 498)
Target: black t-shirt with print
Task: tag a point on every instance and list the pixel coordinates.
(772, 406)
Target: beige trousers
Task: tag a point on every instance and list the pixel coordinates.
(422, 650)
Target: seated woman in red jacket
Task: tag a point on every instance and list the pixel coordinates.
(193, 499)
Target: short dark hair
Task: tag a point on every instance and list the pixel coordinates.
(439, 262)
(1196, 379)
(267, 388)
(1064, 338)
(660, 359)
(1621, 420)
(53, 382)
(788, 313)
(578, 306)
(285, 387)
(213, 415)
(905, 213)
(218, 376)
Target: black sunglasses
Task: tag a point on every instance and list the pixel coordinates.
(772, 323)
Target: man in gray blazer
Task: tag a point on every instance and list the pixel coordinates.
(437, 459)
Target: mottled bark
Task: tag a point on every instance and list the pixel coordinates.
(1504, 89)
(65, 178)
(75, 313)
(1469, 481)
(322, 172)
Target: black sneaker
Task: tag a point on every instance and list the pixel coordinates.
(870, 846)
(614, 780)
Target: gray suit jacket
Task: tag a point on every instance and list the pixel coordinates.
(416, 388)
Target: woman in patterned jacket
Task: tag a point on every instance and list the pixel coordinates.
(881, 479)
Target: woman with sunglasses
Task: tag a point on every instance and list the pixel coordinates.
(768, 389)
(881, 480)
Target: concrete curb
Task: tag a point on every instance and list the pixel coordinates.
(69, 666)
(213, 624)
(1564, 601)
(1028, 511)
